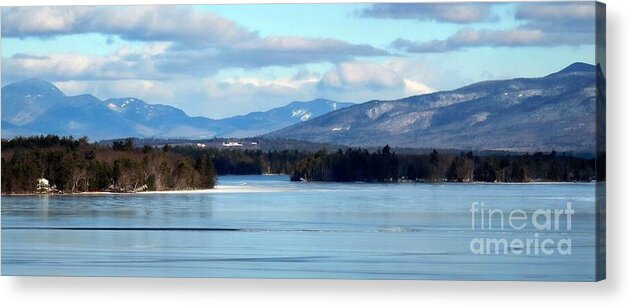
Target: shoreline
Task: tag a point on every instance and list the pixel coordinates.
(228, 189)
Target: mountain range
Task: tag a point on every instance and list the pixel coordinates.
(557, 111)
(36, 106)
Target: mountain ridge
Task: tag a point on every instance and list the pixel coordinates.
(36, 106)
(553, 112)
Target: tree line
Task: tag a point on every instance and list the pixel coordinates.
(384, 165)
(74, 165)
(245, 162)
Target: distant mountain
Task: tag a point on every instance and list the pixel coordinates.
(258, 123)
(557, 111)
(38, 107)
(29, 100)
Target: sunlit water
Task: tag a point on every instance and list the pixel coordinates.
(268, 227)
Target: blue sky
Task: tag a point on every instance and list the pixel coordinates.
(223, 60)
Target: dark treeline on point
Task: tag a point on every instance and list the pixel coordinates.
(385, 166)
(74, 165)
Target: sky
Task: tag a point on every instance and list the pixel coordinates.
(225, 60)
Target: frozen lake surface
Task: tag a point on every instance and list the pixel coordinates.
(269, 227)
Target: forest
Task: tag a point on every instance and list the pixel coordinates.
(384, 165)
(246, 162)
(76, 165)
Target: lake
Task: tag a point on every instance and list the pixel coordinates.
(268, 227)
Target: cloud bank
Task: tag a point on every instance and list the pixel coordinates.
(441, 12)
(183, 56)
(199, 42)
(543, 24)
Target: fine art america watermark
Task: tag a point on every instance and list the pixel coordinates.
(533, 228)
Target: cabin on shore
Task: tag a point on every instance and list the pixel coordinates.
(43, 185)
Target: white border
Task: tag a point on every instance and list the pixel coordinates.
(28, 291)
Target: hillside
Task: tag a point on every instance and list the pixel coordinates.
(557, 111)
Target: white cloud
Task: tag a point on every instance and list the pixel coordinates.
(180, 24)
(349, 81)
(280, 82)
(363, 81)
(516, 37)
(193, 42)
(201, 97)
(559, 12)
(430, 74)
(150, 90)
(542, 24)
(415, 88)
(270, 51)
(361, 74)
(123, 64)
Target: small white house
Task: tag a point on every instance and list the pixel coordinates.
(232, 144)
(43, 185)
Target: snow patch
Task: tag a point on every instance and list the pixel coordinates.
(338, 129)
(404, 122)
(479, 117)
(379, 110)
(301, 113)
(445, 100)
(113, 107)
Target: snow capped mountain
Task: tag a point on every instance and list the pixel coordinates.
(301, 113)
(557, 111)
(30, 99)
(552, 112)
(38, 107)
(138, 110)
(305, 111)
(257, 123)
